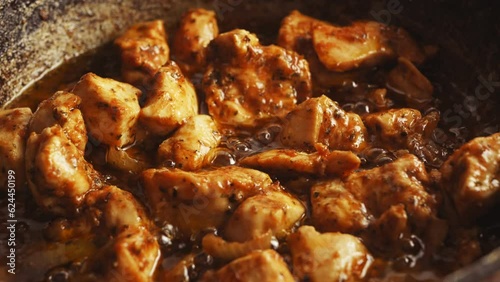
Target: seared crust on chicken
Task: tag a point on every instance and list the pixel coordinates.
(171, 101)
(196, 29)
(321, 120)
(144, 50)
(246, 82)
(190, 146)
(262, 266)
(471, 177)
(58, 175)
(328, 257)
(61, 108)
(321, 163)
(13, 135)
(193, 201)
(110, 109)
(274, 212)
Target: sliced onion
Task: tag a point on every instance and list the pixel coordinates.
(121, 159)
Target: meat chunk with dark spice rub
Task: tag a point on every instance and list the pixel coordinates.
(471, 177)
(193, 201)
(13, 136)
(282, 162)
(262, 266)
(144, 50)
(321, 120)
(170, 102)
(196, 29)
(58, 175)
(328, 257)
(189, 148)
(61, 108)
(246, 82)
(110, 109)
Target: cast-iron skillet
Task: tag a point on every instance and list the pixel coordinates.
(38, 35)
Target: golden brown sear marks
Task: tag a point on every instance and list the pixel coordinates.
(13, 135)
(110, 109)
(194, 201)
(62, 108)
(246, 82)
(321, 120)
(265, 266)
(143, 50)
(197, 28)
(471, 177)
(328, 256)
(170, 101)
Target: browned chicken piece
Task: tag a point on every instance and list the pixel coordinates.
(321, 163)
(471, 177)
(406, 129)
(246, 82)
(364, 198)
(406, 80)
(275, 212)
(392, 127)
(193, 201)
(328, 256)
(321, 120)
(131, 256)
(110, 109)
(144, 50)
(191, 144)
(58, 175)
(13, 135)
(403, 181)
(171, 101)
(346, 48)
(180, 271)
(63, 109)
(335, 209)
(197, 28)
(259, 266)
(221, 249)
(128, 248)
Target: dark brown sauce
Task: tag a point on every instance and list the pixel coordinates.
(104, 61)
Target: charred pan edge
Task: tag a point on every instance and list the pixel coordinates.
(37, 35)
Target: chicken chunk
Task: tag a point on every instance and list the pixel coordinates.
(259, 266)
(246, 82)
(197, 28)
(190, 146)
(403, 181)
(321, 163)
(471, 177)
(328, 256)
(144, 50)
(406, 80)
(13, 135)
(193, 201)
(110, 109)
(132, 256)
(221, 249)
(346, 48)
(274, 211)
(392, 127)
(170, 103)
(320, 120)
(58, 175)
(63, 109)
(335, 209)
